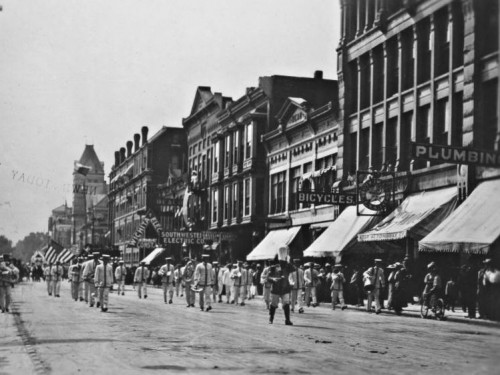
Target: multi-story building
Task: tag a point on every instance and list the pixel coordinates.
(424, 71)
(134, 210)
(301, 156)
(60, 225)
(239, 184)
(200, 126)
(89, 196)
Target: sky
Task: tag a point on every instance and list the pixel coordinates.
(77, 72)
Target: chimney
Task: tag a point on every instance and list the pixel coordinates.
(144, 132)
(117, 158)
(318, 74)
(129, 148)
(122, 155)
(137, 139)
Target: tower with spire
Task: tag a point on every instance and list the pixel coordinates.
(89, 195)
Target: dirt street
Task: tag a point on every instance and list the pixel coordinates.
(47, 335)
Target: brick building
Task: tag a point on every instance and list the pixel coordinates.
(134, 210)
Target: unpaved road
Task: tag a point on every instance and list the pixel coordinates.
(47, 335)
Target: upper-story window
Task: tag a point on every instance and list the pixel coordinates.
(227, 153)
(295, 174)
(236, 146)
(247, 187)
(248, 140)
(215, 205)
(278, 193)
(235, 200)
(216, 149)
(227, 198)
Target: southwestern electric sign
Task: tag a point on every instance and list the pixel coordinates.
(456, 155)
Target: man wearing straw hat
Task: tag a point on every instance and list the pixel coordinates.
(140, 278)
(297, 283)
(204, 279)
(167, 279)
(279, 277)
(120, 275)
(103, 279)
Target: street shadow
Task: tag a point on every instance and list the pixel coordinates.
(70, 341)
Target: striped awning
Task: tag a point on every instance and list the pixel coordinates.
(473, 227)
(416, 217)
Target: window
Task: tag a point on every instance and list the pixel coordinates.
(227, 153)
(408, 65)
(216, 157)
(278, 193)
(235, 200)
(247, 192)
(236, 146)
(227, 197)
(248, 140)
(295, 174)
(215, 205)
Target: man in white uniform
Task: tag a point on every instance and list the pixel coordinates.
(57, 274)
(204, 278)
(140, 278)
(103, 279)
(166, 273)
(120, 275)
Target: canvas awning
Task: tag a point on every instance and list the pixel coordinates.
(472, 227)
(341, 234)
(153, 255)
(415, 218)
(269, 246)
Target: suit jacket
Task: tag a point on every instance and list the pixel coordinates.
(164, 270)
(100, 275)
(204, 274)
(311, 277)
(297, 278)
(89, 270)
(141, 274)
(57, 273)
(235, 275)
(47, 272)
(377, 275)
(120, 273)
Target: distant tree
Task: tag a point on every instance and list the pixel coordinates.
(5, 245)
(26, 247)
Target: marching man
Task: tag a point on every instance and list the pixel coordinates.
(140, 278)
(120, 274)
(88, 276)
(311, 281)
(266, 285)
(297, 283)
(374, 276)
(57, 274)
(204, 278)
(47, 272)
(187, 278)
(9, 274)
(103, 279)
(167, 279)
(238, 274)
(228, 282)
(279, 277)
(75, 273)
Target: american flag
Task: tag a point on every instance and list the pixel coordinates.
(56, 252)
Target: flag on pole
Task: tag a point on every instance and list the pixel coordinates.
(55, 252)
(82, 169)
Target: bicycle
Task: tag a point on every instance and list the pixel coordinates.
(434, 304)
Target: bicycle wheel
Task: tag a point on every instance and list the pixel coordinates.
(424, 308)
(439, 306)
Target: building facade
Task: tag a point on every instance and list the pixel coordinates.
(203, 157)
(60, 227)
(89, 196)
(240, 183)
(134, 209)
(302, 156)
(417, 71)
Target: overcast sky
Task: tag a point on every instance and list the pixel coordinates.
(76, 72)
